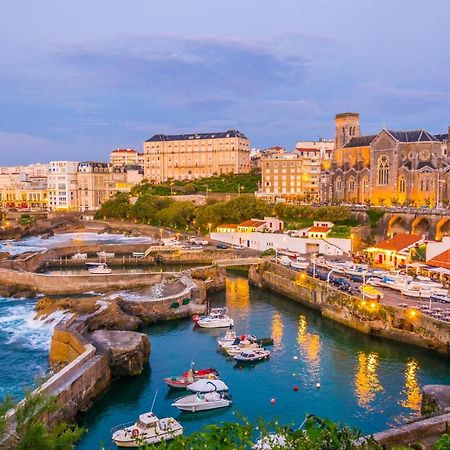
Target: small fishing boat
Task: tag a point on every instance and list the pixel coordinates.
(252, 355)
(234, 350)
(217, 318)
(228, 339)
(204, 386)
(203, 402)
(190, 376)
(79, 256)
(101, 269)
(300, 263)
(147, 430)
(416, 291)
(369, 291)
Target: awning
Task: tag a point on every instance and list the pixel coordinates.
(417, 265)
(439, 270)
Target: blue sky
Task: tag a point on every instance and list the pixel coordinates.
(78, 79)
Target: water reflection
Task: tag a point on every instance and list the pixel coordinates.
(367, 382)
(412, 390)
(237, 293)
(310, 345)
(277, 328)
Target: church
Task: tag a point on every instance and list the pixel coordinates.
(408, 168)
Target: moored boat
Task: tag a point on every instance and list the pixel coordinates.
(252, 355)
(101, 269)
(147, 430)
(190, 376)
(217, 318)
(440, 298)
(300, 263)
(369, 291)
(416, 291)
(203, 402)
(204, 386)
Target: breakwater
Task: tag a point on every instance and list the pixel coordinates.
(367, 317)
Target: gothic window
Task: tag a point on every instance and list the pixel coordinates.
(339, 184)
(402, 184)
(383, 170)
(365, 186)
(351, 184)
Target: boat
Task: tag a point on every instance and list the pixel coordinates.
(228, 339)
(217, 318)
(79, 256)
(416, 291)
(190, 376)
(101, 269)
(357, 269)
(105, 254)
(283, 260)
(369, 291)
(203, 402)
(203, 386)
(147, 430)
(252, 355)
(231, 338)
(428, 283)
(240, 347)
(300, 263)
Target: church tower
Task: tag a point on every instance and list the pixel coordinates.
(347, 127)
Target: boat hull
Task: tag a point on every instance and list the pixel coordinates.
(186, 404)
(215, 323)
(137, 443)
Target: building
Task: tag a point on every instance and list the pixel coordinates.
(325, 146)
(270, 224)
(198, 155)
(292, 177)
(124, 156)
(62, 185)
(93, 185)
(279, 241)
(389, 168)
(395, 251)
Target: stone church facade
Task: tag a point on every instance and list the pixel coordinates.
(390, 168)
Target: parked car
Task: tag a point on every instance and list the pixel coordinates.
(222, 246)
(238, 247)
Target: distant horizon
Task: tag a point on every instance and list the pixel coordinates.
(86, 78)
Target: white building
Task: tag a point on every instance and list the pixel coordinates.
(278, 241)
(62, 185)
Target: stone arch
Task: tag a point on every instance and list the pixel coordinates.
(397, 224)
(420, 225)
(443, 228)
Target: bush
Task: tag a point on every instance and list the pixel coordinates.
(175, 305)
(269, 252)
(375, 215)
(186, 301)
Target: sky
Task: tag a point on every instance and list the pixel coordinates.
(78, 79)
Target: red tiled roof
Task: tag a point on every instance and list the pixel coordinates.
(319, 229)
(398, 242)
(307, 149)
(252, 223)
(228, 225)
(442, 260)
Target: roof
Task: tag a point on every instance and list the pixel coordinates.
(413, 136)
(318, 230)
(192, 136)
(423, 164)
(442, 137)
(124, 150)
(228, 225)
(346, 114)
(252, 223)
(399, 242)
(360, 141)
(442, 260)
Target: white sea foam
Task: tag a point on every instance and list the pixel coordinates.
(18, 326)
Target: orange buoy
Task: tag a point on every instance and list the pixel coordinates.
(295, 388)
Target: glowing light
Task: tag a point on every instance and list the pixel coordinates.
(237, 293)
(367, 383)
(412, 313)
(277, 329)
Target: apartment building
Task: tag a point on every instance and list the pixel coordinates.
(198, 155)
(121, 157)
(62, 185)
(291, 177)
(93, 184)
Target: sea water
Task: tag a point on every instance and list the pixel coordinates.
(366, 382)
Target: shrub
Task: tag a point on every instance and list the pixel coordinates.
(175, 305)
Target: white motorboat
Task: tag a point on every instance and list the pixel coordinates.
(440, 298)
(203, 386)
(228, 339)
(147, 430)
(79, 256)
(203, 402)
(252, 355)
(428, 283)
(300, 263)
(396, 282)
(241, 346)
(416, 291)
(284, 260)
(101, 269)
(217, 318)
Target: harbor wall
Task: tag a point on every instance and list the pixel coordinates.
(78, 284)
(367, 317)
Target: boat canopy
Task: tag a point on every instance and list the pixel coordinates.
(204, 385)
(148, 419)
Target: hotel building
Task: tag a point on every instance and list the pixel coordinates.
(93, 185)
(63, 185)
(198, 155)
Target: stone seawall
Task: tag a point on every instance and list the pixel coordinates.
(367, 317)
(78, 284)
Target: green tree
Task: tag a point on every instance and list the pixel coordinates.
(117, 207)
(176, 215)
(26, 220)
(147, 206)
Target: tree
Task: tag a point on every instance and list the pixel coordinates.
(32, 431)
(147, 206)
(116, 207)
(176, 215)
(26, 220)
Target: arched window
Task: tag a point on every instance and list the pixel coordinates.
(383, 170)
(339, 184)
(351, 184)
(402, 184)
(365, 186)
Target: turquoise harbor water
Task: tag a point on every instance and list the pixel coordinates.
(365, 382)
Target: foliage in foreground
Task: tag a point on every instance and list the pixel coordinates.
(32, 432)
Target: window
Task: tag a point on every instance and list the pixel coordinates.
(351, 184)
(339, 184)
(402, 184)
(383, 170)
